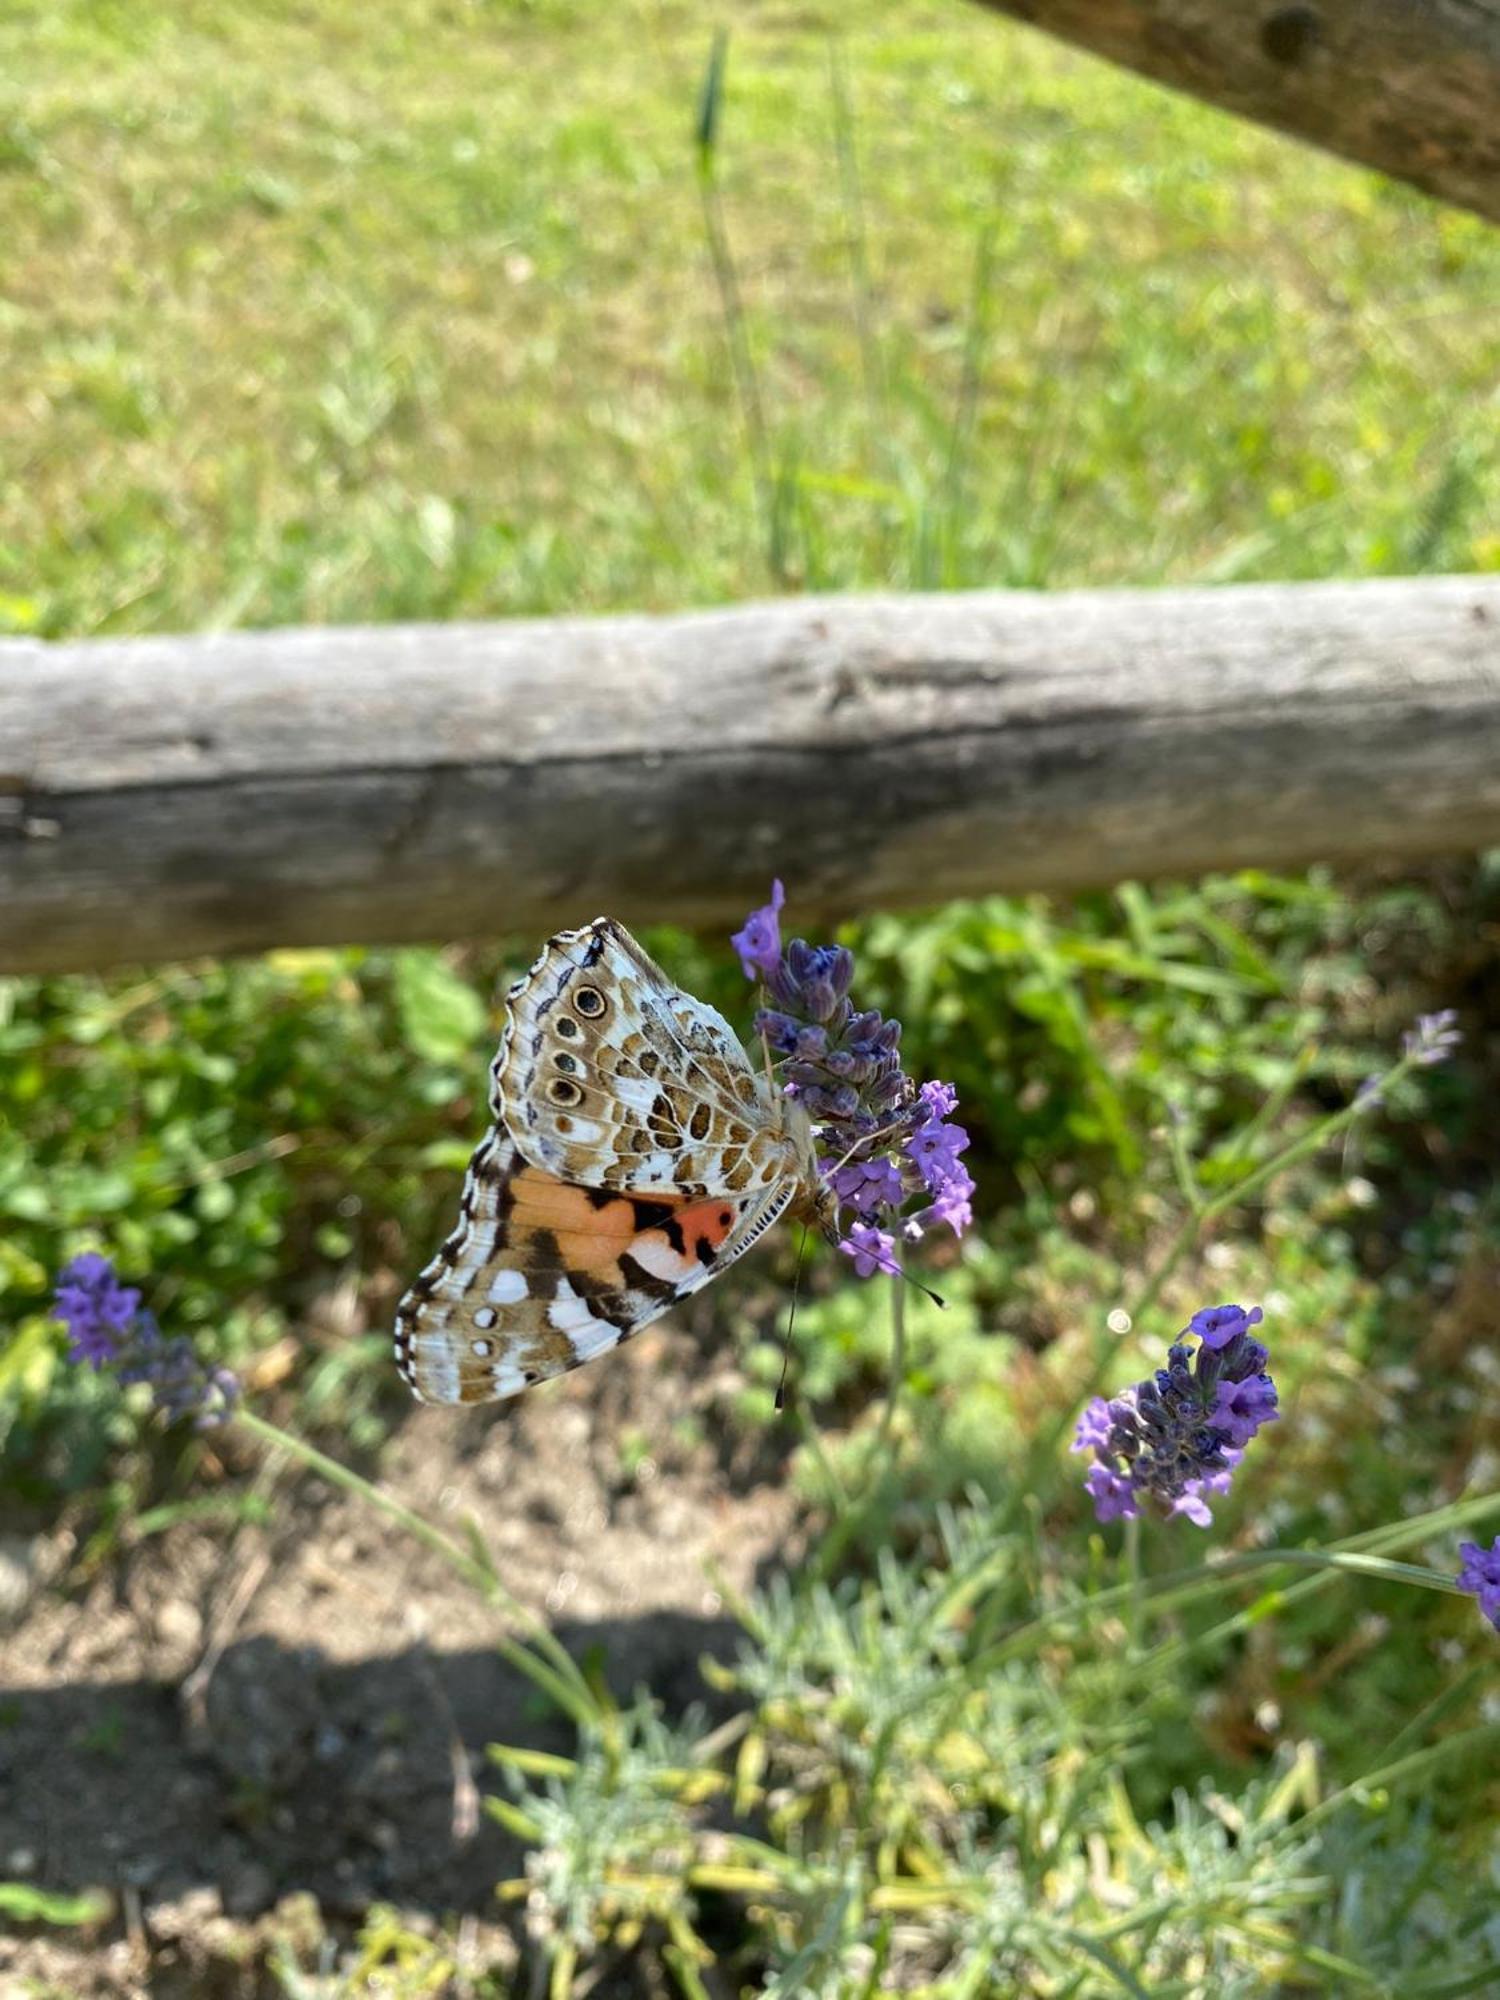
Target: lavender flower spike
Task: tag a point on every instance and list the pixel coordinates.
(1178, 1436)
(1481, 1574)
(881, 1141)
(107, 1328)
(1433, 1039)
(95, 1307)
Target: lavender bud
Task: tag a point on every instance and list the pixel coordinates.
(780, 1030)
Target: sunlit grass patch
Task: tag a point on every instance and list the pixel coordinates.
(324, 314)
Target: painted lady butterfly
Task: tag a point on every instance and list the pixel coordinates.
(635, 1155)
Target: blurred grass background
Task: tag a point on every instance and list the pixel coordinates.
(322, 312)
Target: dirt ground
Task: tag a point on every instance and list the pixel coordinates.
(227, 1722)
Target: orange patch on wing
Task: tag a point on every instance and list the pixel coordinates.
(592, 1236)
(694, 1235)
(710, 1222)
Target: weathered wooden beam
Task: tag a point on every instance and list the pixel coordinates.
(171, 796)
(1409, 86)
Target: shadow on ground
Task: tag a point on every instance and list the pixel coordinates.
(290, 1773)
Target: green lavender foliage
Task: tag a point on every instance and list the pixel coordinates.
(877, 1815)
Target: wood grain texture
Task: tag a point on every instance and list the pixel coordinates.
(1409, 86)
(166, 797)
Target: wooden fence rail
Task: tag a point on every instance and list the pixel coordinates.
(1409, 86)
(165, 797)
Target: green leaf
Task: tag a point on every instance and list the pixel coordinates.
(29, 1203)
(37, 1906)
(711, 97)
(214, 1201)
(441, 1016)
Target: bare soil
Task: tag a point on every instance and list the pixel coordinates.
(224, 1724)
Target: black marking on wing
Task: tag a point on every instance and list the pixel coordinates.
(655, 1215)
(640, 1279)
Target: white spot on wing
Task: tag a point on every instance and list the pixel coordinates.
(655, 1254)
(583, 1131)
(634, 1093)
(507, 1288)
(486, 1316)
(574, 1317)
(568, 1311)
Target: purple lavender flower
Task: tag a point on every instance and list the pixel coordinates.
(938, 1100)
(106, 1326)
(1178, 1435)
(1112, 1493)
(868, 1186)
(1216, 1326)
(1190, 1502)
(1433, 1039)
(95, 1307)
(1093, 1426)
(934, 1149)
(952, 1206)
(880, 1140)
(1481, 1574)
(759, 943)
(871, 1250)
(1240, 1408)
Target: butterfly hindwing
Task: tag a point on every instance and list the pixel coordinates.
(542, 1274)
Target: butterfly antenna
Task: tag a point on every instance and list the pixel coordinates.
(791, 1321)
(926, 1290)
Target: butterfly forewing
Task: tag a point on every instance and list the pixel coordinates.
(610, 1075)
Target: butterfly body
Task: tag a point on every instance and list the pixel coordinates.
(635, 1155)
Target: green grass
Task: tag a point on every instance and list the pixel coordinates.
(341, 312)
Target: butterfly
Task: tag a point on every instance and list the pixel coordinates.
(635, 1155)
